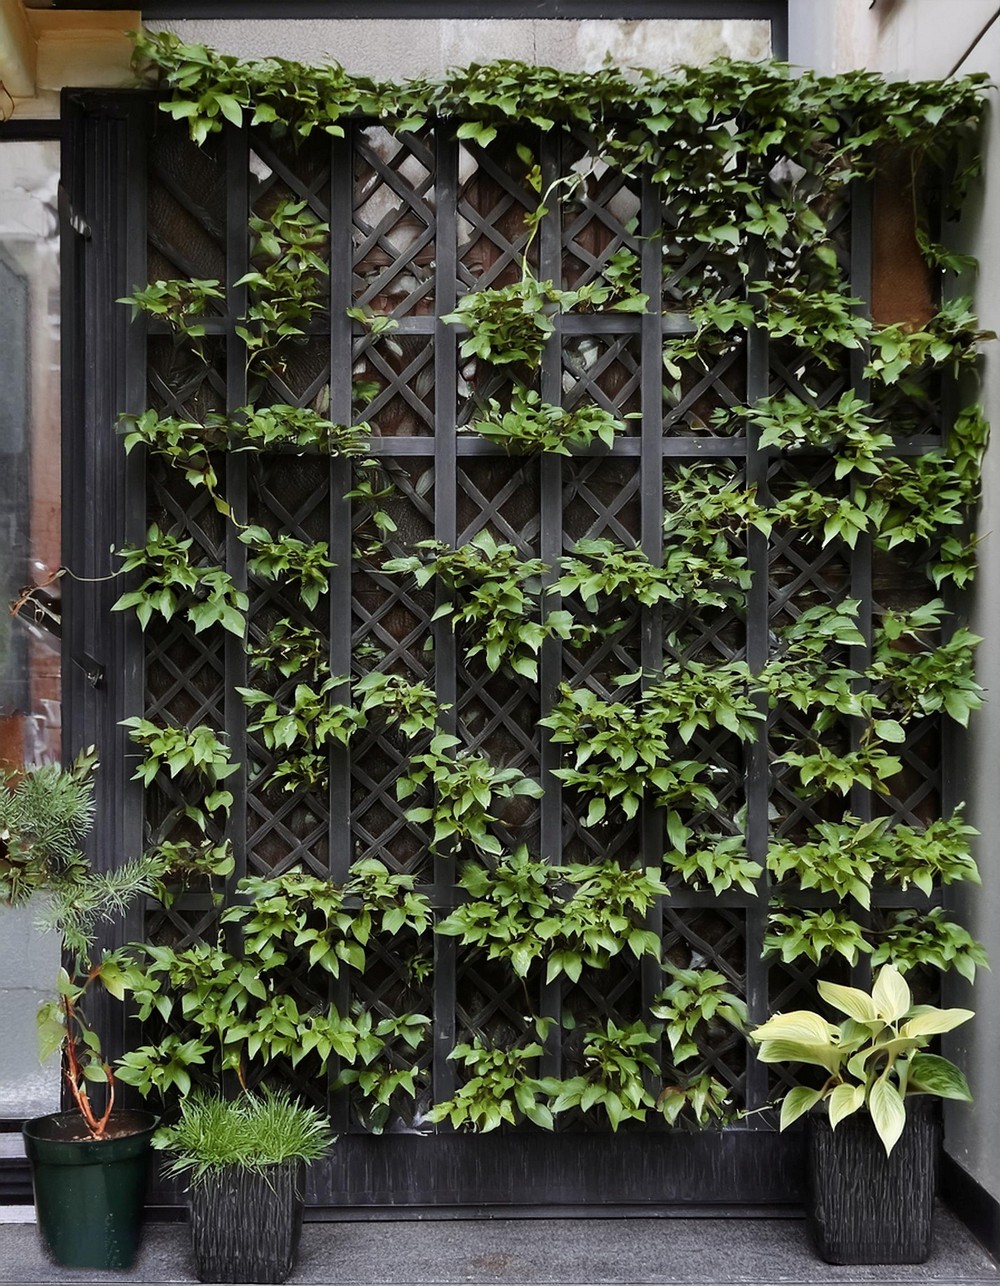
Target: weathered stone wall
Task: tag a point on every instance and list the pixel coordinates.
(402, 48)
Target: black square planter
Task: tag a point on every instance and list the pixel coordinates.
(246, 1224)
(866, 1207)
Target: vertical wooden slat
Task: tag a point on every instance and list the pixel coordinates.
(652, 644)
(340, 539)
(235, 159)
(757, 769)
(445, 522)
(340, 535)
(103, 229)
(550, 479)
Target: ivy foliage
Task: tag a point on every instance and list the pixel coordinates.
(742, 154)
(693, 1000)
(203, 594)
(604, 572)
(907, 938)
(285, 559)
(465, 785)
(499, 1088)
(236, 1012)
(625, 752)
(716, 862)
(307, 911)
(298, 727)
(533, 425)
(493, 592)
(176, 751)
(724, 126)
(289, 258)
(570, 916)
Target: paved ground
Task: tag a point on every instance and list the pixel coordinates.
(538, 1252)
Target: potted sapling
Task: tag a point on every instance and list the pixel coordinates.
(89, 1163)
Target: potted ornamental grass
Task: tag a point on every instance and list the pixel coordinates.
(873, 1131)
(244, 1162)
(88, 1164)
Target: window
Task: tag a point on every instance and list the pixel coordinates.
(29, 450)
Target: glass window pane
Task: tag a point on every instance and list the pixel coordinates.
(29, 450)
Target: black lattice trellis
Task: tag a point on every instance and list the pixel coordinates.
(416, 221)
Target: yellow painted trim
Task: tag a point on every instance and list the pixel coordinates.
(63, 22)
(87, 48)
(17, 50)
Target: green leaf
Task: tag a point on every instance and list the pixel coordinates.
(890, 730)
(113, 979)
(477, 131)
(230, 109)
(932, 1074)
(631, 304)
(50, 1031)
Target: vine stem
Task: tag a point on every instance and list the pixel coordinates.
(97, 1125)
(26, 594)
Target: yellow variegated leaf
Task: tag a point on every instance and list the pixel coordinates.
(844, 1101)
(932, 1074)
(818, 1053)
(935, 1021)
(888, 1112)
(854, 1034)
(796, 1103)
(891, 994)
(799, 1025)
(850, 1001)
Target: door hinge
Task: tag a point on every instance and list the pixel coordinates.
(70, 215)
(93, 670)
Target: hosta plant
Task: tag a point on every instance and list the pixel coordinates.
(873, 1060)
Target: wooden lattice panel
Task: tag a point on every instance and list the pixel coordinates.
(411, 222)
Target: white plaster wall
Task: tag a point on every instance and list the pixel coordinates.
(973, 1136)
(931, 39)
(399, 49)
(922, 39)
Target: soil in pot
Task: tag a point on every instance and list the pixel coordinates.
(246, 1224)
(89, 1193)
(866, 1207)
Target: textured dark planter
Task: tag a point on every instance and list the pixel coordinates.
(245, 1225)
(89, 1193)
(865, 1207)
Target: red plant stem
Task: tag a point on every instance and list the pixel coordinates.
(97, 1125)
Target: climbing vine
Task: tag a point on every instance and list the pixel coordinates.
(628, 650)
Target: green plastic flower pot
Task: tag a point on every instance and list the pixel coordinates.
(89, 1193)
